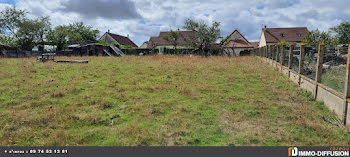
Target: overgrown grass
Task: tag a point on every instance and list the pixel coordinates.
(158, 100)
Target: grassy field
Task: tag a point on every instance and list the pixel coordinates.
(159, 100)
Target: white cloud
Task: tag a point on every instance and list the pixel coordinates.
(161, 15)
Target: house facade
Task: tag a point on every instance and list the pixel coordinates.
(117, 39)
(237, 45)
(182, 42)
(293, 35)
(144, 45)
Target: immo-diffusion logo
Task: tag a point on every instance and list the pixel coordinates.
(294, 152)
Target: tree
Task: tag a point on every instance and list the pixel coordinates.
(315, 37)
(58, 37)
(19, 31)
(44, 26)
(75, 33)
(172, 38)
(33, 32)
(204, 35)
(10, 19)
(79, 32)
(342, 32)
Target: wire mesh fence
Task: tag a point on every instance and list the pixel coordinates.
(310, 62)
(285, 53)
(296, 58)
(334, 68)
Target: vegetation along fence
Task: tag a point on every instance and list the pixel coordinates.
(21, 53)
(322, 70)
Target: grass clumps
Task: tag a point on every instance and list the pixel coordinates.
(158, 100)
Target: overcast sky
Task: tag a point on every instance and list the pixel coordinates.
(144, 18)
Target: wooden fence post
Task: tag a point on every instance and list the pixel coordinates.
(273, 52)
(283, 54)
(301, 62)
(347, 88)
(270, 51)
(301, 59)
(277, 52)
(319, 63)
(319, 67)
(291, 58)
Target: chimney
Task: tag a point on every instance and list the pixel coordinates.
(128, 36)
(108, 31)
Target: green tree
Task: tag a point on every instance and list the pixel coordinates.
(172, 38)
(342, 32)
(79, 32)
(10, 20)
(44, 26)
(75, 33)
(19, 31)
(58, 37)
(204, 36)
(315, 37)
(33, 32)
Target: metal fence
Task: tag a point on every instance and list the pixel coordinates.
(21, 53)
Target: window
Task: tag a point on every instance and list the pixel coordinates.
(298, 35)
(283, 35)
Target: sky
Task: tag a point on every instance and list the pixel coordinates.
(141, 19)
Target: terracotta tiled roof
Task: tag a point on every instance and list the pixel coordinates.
(184, 37)
(122, 40)
(238, 43)
(274, 35)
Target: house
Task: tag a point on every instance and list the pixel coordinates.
(117, 39)
(292, 35)
(255, 44)
(182, 42)
(237, 45)
(144, 45)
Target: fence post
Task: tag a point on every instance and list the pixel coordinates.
(273, 52)
(283, 54)
(301, 62)
(277, 52)
(291, 58)
(268, 51)
(319, 67)
(347, 88)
